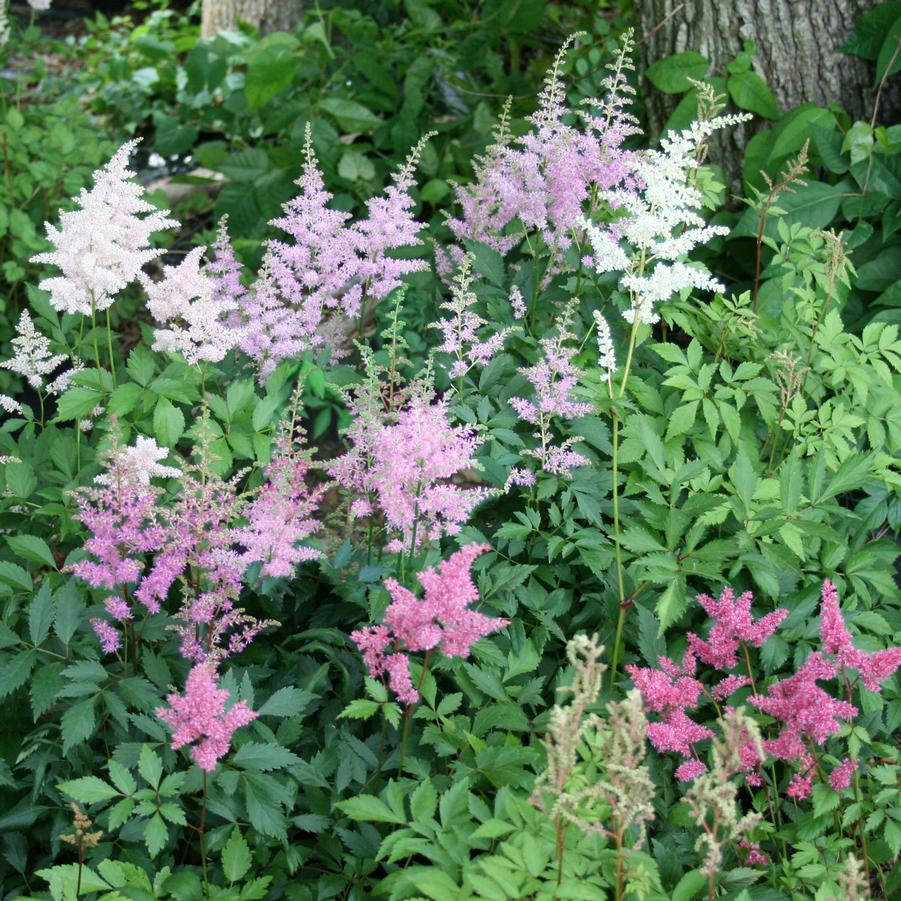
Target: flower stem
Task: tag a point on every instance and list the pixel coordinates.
(201, 830)
(408, 714)
(94, 333)
(109, 347)
(620, 622)
(628, 366)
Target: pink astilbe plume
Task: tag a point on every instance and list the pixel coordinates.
(389, 226)
(671, 689)
(224, 272)
(405, 468)
(441, 620)
(553, 379)
(317, 281)
(200, 715)
(732, 626)
(282, 514)
(544, 179)
(102, 246)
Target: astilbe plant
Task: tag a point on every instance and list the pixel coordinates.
(441, 620)
(614, 796)
(314, 289)
(553, 379)
(712, 797)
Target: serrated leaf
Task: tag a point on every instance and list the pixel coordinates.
(70, 609)
(670, 605)
(359, 709)
(156, 834)
(88, 790)
(78, 723)
(122, 778)
(40, 614)
(13, 574)
(32, 548)
(236, 857)
(369, 809)
(288, 701)
(46, 683)
(264, 757)
(150, 766)
(15, 670)
(168, 423)
(424, 801)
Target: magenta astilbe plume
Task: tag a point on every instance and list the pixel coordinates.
(200, 716)
(282, 515)
(441, 620)
(732, 625)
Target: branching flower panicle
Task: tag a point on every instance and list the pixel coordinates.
(34, 361)
(102, 246)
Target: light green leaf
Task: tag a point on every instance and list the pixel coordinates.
(369, 809)
(351, 116)
(264, 757)
(168, 423)
(30, 547)
(236, 857)
(359, 709)
(15, 670)
(670, 605)
(156, 833)
(150, 766)
(78, 723)
(749, 91)
(122, 778)
(672, 73)
(88, 790)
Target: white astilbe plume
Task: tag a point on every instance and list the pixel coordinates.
(40, 5)
(10, 404)
(661, 225)
(197, 321)
(140, 462)
(606, 351)
(34, 361)
(102, 246)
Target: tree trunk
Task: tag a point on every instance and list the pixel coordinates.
(795, 51)
(267, 15)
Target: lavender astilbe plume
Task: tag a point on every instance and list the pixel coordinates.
(102, 246)
(544, 179)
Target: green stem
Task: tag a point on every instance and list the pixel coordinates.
(621, 619)
(109, 347)
(202, 832)
(408, 714)
(860, 827)
(628, 366)
(94, 333)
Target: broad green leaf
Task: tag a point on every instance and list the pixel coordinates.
(263, 757)
(236, 857)
(150, 766)
(78, 723)
(122, 778)
(271, 67)
(30, 547)
(88, 790)
(672, 73)
(750, 92)
(744, 479)
(13, 574)
(288, 701)
(359, 709)
(168, 423)
(41, 613)
(670, 605)
(352, 117)
(15, 669)
(369, 809)
(156, 833)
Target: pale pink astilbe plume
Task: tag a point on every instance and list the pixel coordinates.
(440, 620)
(102, 246)
(123, 521)
(733, 625)
(544, 180)
(282, 515)
(224, 272)
(754, 855)
(553, 379)
(671, 689)
(317, 272)
(200, 715)
(690, 770)
(193, 322)
(462, 331)
(389, 225)
(807, 712)
(405, 468)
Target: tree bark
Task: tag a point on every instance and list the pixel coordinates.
(796, 53)
(267, 15)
